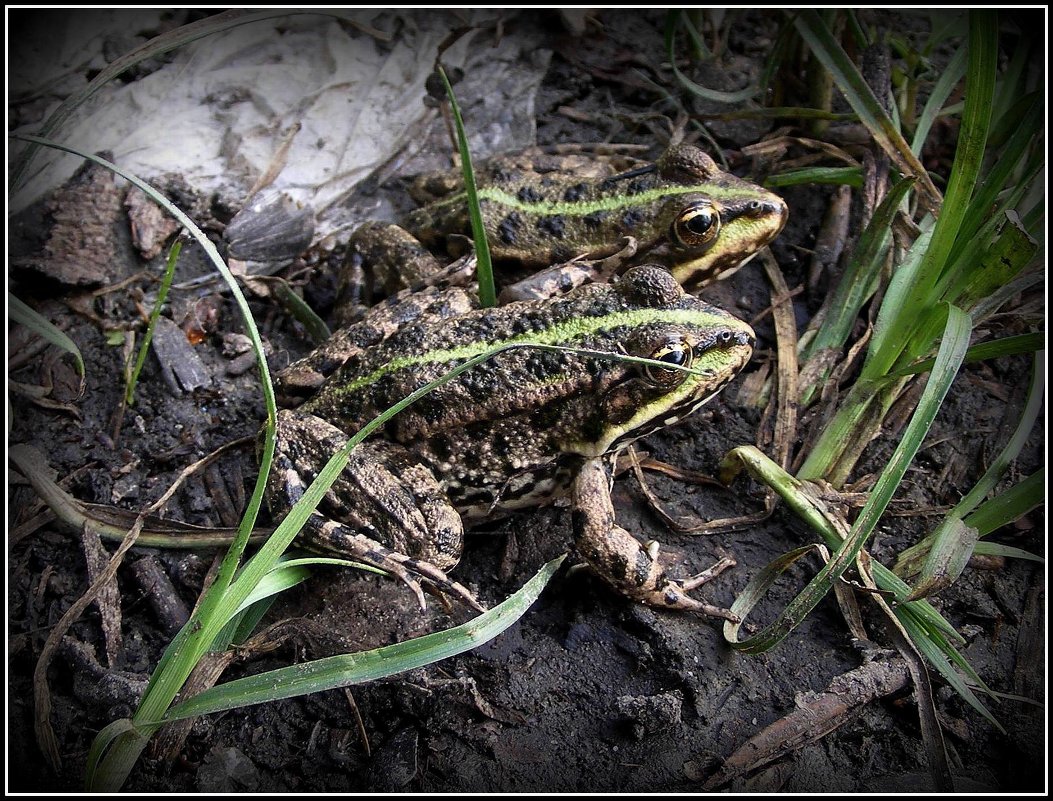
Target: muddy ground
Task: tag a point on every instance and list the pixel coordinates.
(587, 692)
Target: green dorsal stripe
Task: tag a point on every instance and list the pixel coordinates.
(558, 333)
(580, 208)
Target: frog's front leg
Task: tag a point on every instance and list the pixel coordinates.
(621, 560)
(385, 509)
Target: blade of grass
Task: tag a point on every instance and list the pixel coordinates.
(155, 312)
(1012, 81)
(942, 657)
(968, 161)
(1010, 505)
(858, 282)
(26, 316)
(938, 552)
(194, 639)
(347, 669)
(952, 351)
(862, 100)
(1012, 449)
(672, 20)
(484, 266)
(1006, 551)
(995, 181)
(847, 176)
(949, 78)
(992, 349)
(950, 548)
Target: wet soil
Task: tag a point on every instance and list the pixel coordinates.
(587, 692)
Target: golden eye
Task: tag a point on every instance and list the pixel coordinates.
(676, 352)
(697, 225)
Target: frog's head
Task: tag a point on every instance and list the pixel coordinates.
(716, 222)
(668, 325)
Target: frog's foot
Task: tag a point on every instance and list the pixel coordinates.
(619, 558)
(674, 594)
(339, 538)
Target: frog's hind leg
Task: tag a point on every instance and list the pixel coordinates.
(384, 509)
(621, 560)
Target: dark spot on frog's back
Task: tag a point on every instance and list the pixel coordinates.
(575, 193)
(632, 219)
(470, 458)
(554, 225)
(509, 228)
(637, 187)
(431, 411)
(595, 219)
(538, 366)
(528, 194)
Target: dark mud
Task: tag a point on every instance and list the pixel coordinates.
(587, 692)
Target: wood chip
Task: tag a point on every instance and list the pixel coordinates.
(82, 246)
(108, 600)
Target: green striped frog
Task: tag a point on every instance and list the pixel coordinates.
(519, 430)
(682, 212)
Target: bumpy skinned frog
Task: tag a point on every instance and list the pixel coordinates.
(682, 212)
(516, 431)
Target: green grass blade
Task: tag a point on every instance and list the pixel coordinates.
(99, 746)
(862, 100)
(672, 20)
(847, 176)
(290, 572)
(1009, 254)
(940, 655)
(484, 265)
(919, 300)
(185, 650)
(887, 335)
(939, 558)
(1012, 84)
(1014, 503)
(992, 349)
(293, 303)
(1002, 169)
(952, 350)
(858, 282)
(1009, 453)
(1008, 551)
(949, 78)
(155, 312)
(348, 669)
(26, 316)
(951, 547)
(948, 361)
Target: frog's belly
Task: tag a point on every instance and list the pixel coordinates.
(523, 490)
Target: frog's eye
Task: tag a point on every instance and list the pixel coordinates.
(675, 352)
(697, 225)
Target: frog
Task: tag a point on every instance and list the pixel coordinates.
(543, 418)
(682, 211)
